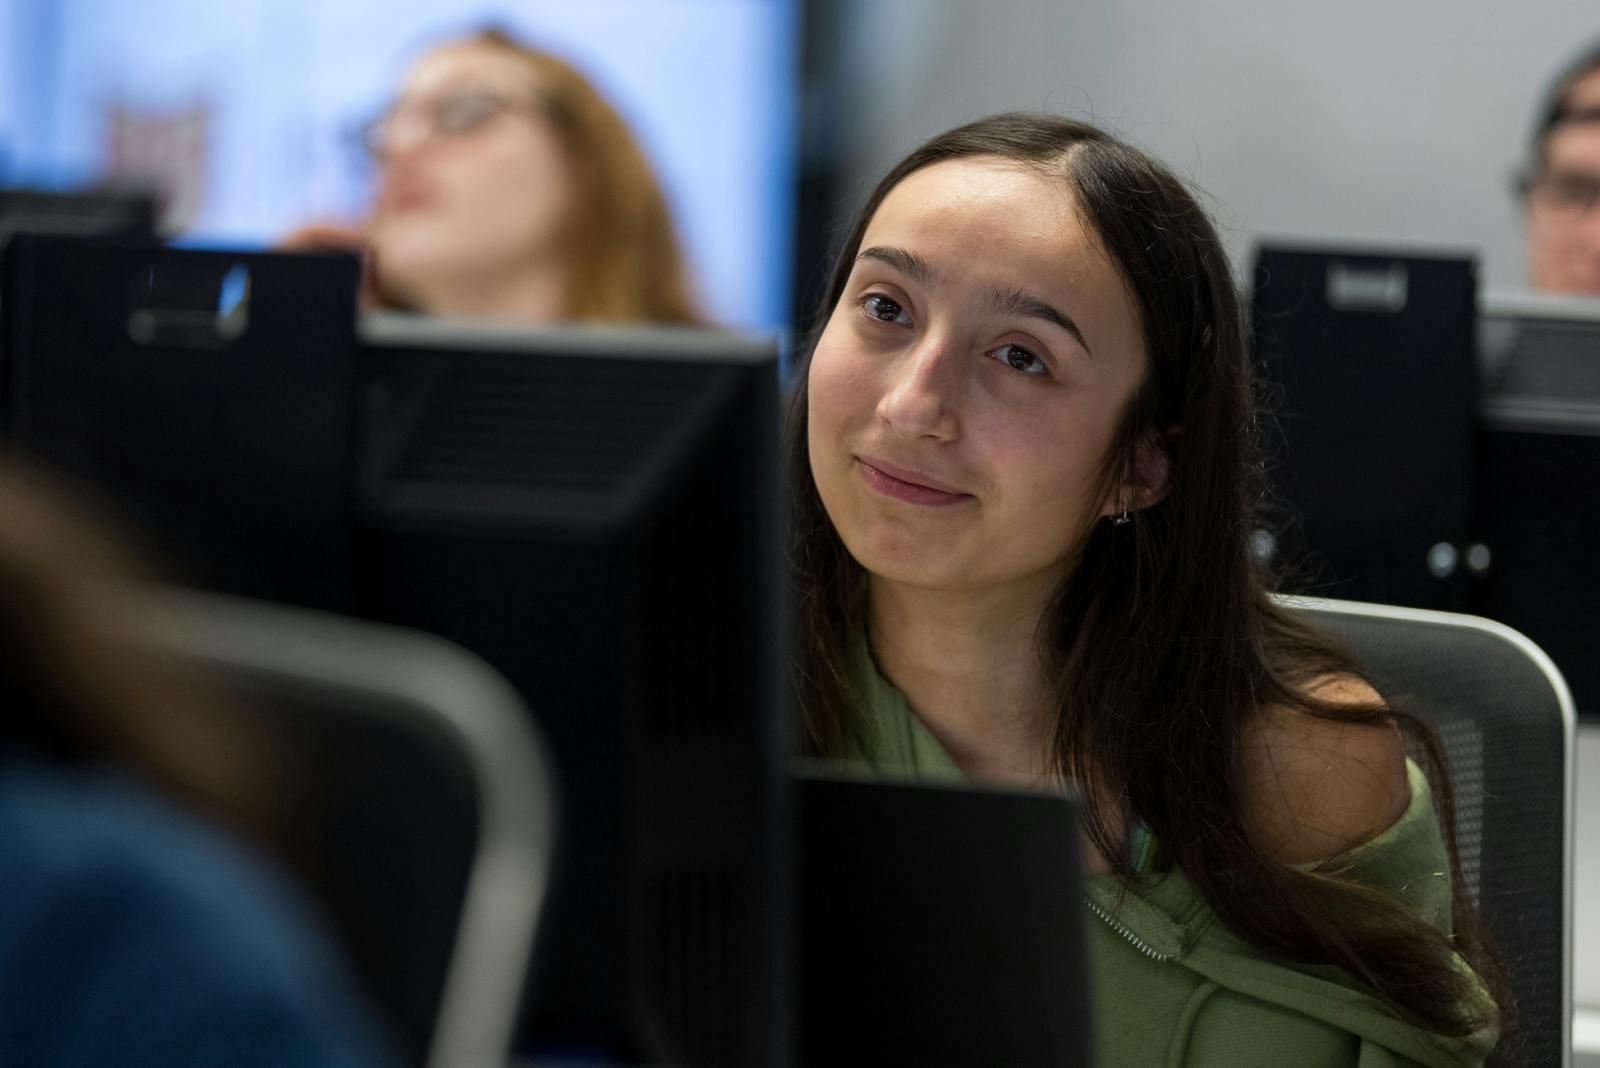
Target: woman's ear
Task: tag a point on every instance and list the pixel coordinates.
(1151, 474)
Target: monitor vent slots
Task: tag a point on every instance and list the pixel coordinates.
(499, 423)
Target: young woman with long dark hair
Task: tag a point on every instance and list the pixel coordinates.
(1023, 463)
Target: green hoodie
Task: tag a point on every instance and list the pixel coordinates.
(1173, 987)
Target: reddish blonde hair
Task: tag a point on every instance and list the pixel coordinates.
(627, 265)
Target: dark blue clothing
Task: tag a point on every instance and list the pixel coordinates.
(132, 934)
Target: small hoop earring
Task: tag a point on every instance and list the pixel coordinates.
(1121, 519)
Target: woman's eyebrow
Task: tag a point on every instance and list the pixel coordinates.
(909, 264)
(1002, 300)
(1011, 301)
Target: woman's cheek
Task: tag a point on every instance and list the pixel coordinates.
(833, 382)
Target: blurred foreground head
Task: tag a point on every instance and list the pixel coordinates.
(79, 688)
(132, 929)
(511, 189)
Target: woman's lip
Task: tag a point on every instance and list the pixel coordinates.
(404, 205)
(403, 198)
(906, 485)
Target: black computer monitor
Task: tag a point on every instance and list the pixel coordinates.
(87, 212)
(938, 924)
(594, 512)
(1538, 474)
(1539, 347)
(1370, 382)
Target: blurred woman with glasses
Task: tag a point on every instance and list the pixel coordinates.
(510, 189)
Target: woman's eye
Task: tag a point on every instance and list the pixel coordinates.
(1019, 359)
(465, 113)
(882, 308)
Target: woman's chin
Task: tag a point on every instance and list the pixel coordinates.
(908, 566)
(411, 282)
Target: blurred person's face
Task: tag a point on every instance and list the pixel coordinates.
(1563, 206)
(475, 180)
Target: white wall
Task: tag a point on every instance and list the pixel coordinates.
(1394, 121)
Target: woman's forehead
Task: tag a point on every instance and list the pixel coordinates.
(1575, 147)
(989, 220)
(467, 65)
(990, 211)
(1584, 92)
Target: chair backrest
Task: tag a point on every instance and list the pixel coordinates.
(1506, 720)
(412, 794)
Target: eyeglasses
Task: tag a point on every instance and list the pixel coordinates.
(454, 115)
(1561, 192)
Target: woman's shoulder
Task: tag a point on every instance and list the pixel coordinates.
(1313, 787)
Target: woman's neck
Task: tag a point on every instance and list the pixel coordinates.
(969, 668)
(535, 293)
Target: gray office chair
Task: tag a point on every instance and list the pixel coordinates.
(414, 796)
(1506, 719)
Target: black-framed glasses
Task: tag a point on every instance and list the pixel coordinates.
(451, 115)
(1561, 192)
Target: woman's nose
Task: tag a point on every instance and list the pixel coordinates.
(400, 132)
(925, 391)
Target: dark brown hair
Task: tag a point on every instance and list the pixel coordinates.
(1556, 107)
(1164, 639)
(81, 689)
